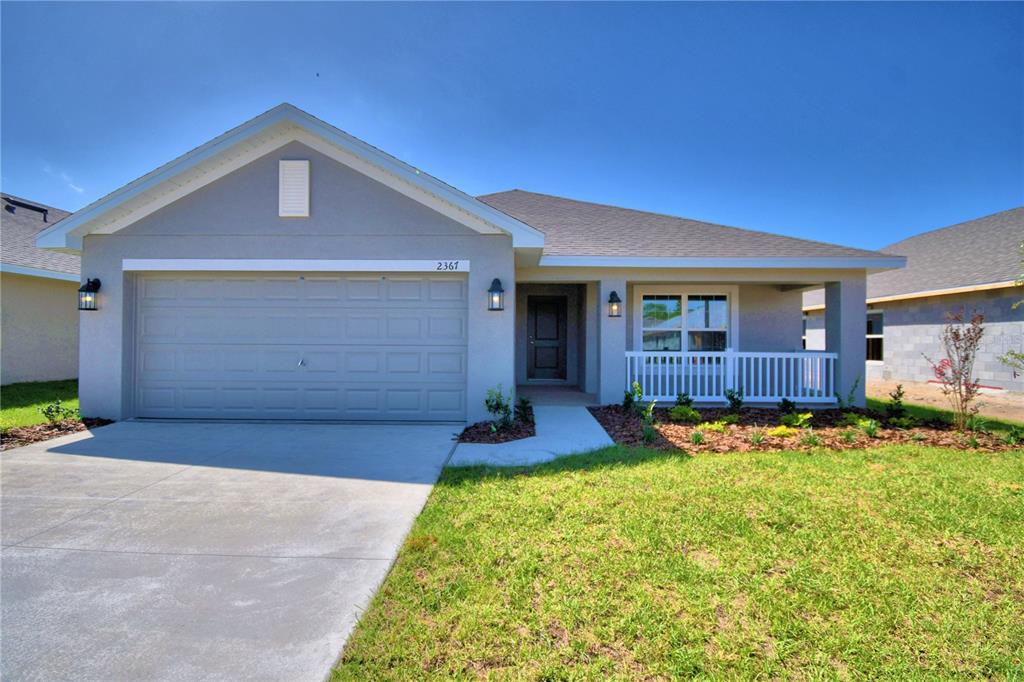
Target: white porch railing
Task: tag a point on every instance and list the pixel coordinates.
(803, 377)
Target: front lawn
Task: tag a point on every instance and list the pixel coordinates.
(20, 403)
(897, 562)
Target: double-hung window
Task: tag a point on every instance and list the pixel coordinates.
(703, 326)
(875, 338)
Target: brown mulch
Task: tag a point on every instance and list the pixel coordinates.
(626, 428)
(25, 435)
(481, 432)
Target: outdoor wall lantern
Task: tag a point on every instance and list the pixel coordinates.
(496, 296)
(87, 294)
(614, 305)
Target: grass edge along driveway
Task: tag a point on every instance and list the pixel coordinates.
(899, 562)
(20, 403)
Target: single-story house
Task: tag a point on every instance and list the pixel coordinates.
(287, 270)
(39, 337)
(971, 266)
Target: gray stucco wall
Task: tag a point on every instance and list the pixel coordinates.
(913, 328)
(769, 319)
(351, 217)
(39, 339)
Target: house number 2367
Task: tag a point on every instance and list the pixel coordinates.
(447, 265)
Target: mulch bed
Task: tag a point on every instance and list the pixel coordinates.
(626, 428)
(24, 435)
(481, 432)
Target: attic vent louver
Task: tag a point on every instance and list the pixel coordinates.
(293, 189)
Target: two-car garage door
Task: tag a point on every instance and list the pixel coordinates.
(357, 346)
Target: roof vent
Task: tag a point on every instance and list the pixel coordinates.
(293, 189)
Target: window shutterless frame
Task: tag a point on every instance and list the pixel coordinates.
(875, 337)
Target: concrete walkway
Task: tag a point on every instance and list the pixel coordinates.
(192, 551)
(561, 430)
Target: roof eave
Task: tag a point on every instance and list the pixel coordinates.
(874, 263)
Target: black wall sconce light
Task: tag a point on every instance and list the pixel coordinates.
(496, 296)
(614, 305)
(87, 294)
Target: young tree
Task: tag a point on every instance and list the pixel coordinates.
(1015, 358)
(960, 341)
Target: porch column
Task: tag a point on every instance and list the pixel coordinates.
(612, 342)
(845, 328)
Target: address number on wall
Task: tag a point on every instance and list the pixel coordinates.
(451, 266)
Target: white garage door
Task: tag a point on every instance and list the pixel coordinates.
(301, 346)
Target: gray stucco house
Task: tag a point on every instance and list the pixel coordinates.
(39, 338)
(969, 266)
(288, 270)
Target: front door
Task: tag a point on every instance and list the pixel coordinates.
(546, 342)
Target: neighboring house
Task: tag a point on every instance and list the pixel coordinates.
(288, 270)
(971, 266)
(38, 299)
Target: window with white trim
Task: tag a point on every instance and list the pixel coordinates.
(705, 324)
(875, 336)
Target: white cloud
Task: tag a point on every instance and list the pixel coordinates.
(63, 177)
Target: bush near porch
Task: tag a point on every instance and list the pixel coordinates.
(890, 563)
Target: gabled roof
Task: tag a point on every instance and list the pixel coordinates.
(256, 137)
(972, 255)
(20, 221)
(580, 232)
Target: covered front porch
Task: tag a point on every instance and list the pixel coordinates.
(597, 338)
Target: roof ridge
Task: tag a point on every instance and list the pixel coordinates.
(683, 218)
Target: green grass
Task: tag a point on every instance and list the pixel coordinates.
(20, 403)
(926, 412)
(898, 563)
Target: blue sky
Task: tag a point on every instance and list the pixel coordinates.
(852, 123)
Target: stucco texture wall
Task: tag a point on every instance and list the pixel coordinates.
(351, 217)
(39, 329)
(913, 328)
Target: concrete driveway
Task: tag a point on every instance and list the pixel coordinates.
(194, 551)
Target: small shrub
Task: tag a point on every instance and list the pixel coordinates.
(977, 423)
(960, 342)
(972, 441)
(697, 437)
(730, 419)
(523, 413)
(684, 415)
(55, 412)
(647, 414)
(757, 437)
(894, 409)
(649, 434)
(848, 436)
(633, 399)
(786, 406)
(684, 399)
(782, 432)
(810, 438)
(797, 419)
(499, 407)
(850, 419)
(902, 423)
(716, 427)
(917, 437)
(1014, 436)
(869, 427)
(735, 399)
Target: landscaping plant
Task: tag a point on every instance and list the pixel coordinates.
(756, 437)
(960, 342)
(850, 397)
(894, 409)
(786, 406)
(684, 415)
(797, 419)
(633, 398)
(810, 438)
(717, 427)
(499, 407)
(684, 400)
(782, 432)
(697, 437)
(735, 399)
(869, 427)
(55, 412)
(523, 410)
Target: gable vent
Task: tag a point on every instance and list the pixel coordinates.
(293, 189)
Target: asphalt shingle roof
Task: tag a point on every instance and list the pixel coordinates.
(981, 251)
(580, 228)
(18, 230)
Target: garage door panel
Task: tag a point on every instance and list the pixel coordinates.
(342, 347)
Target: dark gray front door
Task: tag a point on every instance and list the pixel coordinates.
(546, 342)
